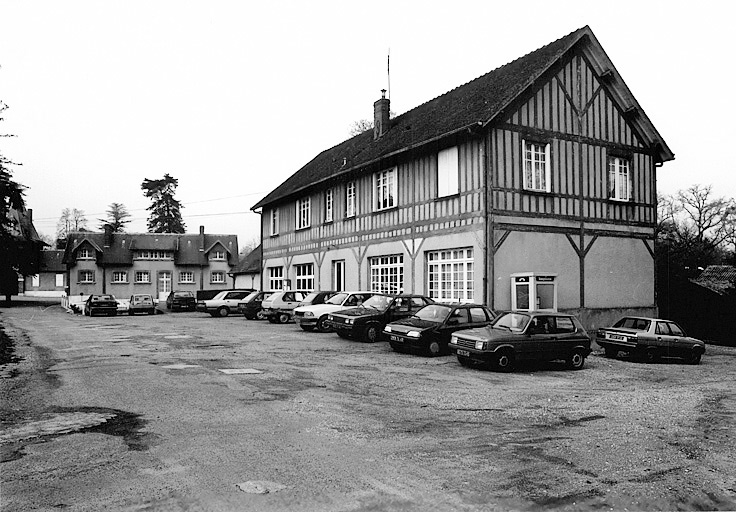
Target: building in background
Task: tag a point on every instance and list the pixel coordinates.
(247, 273)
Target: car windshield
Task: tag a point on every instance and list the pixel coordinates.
(311, 297)
(636, 324)
(337, 299)
(433, 313)
(379, 302)
(250, 297)
(103, 297)
(514, 322)
(183, 294)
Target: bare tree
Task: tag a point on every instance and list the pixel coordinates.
(71, 220)
(704, 216)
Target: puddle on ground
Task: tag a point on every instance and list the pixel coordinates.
(61, 421)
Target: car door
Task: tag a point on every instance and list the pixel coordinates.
(663, 338)
(680, 343)
(564, 337)
(538, 342)
(401, 308)
(458, 319)
(232, 298)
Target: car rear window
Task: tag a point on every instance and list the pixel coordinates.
(183, 294)
(637, 324)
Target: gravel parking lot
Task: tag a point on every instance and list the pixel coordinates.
(184, 411)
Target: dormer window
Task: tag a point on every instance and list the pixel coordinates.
(85, 254)
(218, 254)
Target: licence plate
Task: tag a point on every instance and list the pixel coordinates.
(462, 352)
(396, 338)
(616, 337)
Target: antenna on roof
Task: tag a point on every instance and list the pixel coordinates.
(388, 71)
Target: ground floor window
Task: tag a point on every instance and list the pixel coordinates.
(186, 277)
(387, 273)
(142, 276)
(59, 280)
(275, 278)
(119, 276)
(450, 275)
(217, 277)
(304, 276)
(35, 281)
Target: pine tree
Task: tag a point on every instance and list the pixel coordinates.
(165, 210)
(117, 215)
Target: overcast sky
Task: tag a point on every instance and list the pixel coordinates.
(232, 97)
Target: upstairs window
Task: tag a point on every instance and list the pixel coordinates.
(303, 213)
(448, 179)
(153, 255)
(217, 277)
(350, 199)
(86, 276)
(619, 179)
(274, 222)
(328, 205)
(218, 254)
(84, 254)
(384, 188)
(536, 166)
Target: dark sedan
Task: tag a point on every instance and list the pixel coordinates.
(181, 299)
(250, 306)
(366, 322)
(515, 337)
(101, 304)
(429, 329)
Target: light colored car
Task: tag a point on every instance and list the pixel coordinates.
(309, 317)
(278, 307)
(141, 303)
(223, 303)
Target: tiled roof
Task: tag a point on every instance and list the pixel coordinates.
(470, 105)
(189, 249)
(52, 261)
(251, 264)
(720, 279)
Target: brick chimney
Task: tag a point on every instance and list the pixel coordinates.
(201, 238)
(381, 121)
(107, 240)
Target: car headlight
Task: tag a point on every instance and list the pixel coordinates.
(349, 321)
(480, 345)
(388, 329)
(329, 317)
(453, 340)
(308, 313)
(413, 334)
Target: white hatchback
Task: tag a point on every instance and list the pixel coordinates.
(309, 317)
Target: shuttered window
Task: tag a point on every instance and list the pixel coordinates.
(448, 180)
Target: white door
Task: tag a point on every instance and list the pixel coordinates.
(164, 285)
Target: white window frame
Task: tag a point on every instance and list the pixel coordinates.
(35, 281)
(537, 166)
(119, 277)
(384, 190)
(218, 254)
(448, 172)
(619, 179)
(60, 280)
(274, 222)
(86, 276)
(451, 275)
(304, 276)
(84, 254)
(350, 196)
(186, 277)
(153, 255)
(217, 277)
(303, 213)
(329, 203)
(386, 273)
(142, 276)
(275, 278)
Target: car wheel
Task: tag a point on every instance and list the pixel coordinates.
(250, 317)
(693, 357)
(284, 318)
(576, 360)
(611, 352)
(273, 320)
(151, 311)
(434, 349)
(322, 325)
(371, 334)
(130, 312)
(504, 361)
(464, 361)
(223, 312)
(308, 328)
(651, 355)
(260, 315)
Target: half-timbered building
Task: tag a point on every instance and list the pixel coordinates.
(530, 187)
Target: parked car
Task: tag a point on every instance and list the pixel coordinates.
(430, 328)
(366, 322)
(181, 299)
(101, 304)
(649, 339)
(251, 306)
(141, 303)
(278, 307)
(515, 337)
(315, 315)
(223, 303)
